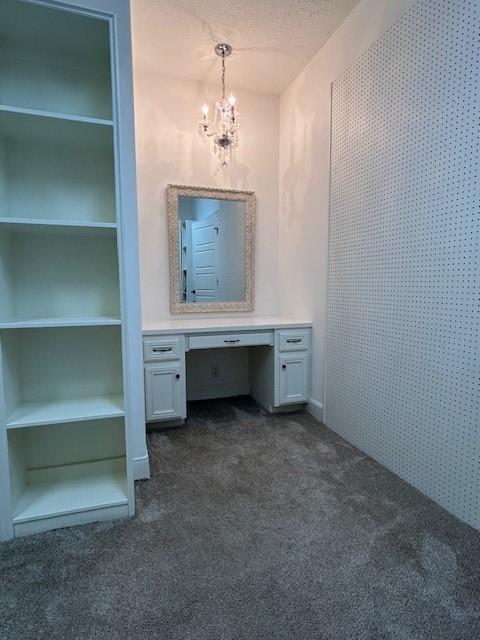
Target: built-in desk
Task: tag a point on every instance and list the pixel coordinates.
(279, 362)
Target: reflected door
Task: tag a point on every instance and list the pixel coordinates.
(204, 260)
(212, 262)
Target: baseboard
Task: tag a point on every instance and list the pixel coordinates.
(315, 409)
(141, 468)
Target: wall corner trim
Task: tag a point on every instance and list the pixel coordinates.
(315, 409)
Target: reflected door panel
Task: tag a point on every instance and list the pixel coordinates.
(204, 240)
(212, 236)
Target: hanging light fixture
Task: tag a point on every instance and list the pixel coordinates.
(223, 128)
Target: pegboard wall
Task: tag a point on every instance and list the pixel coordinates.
(403, 341)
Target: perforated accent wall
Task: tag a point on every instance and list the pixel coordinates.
(403, 347)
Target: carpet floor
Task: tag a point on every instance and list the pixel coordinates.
(252, 527)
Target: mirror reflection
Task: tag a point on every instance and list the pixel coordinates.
(212, 250)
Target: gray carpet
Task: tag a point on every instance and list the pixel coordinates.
(252, 527)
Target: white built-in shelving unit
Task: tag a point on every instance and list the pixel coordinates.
(65, 454)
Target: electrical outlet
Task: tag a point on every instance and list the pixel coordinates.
(215, 370)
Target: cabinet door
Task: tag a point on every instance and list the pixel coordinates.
(293, 378)
(165, 391)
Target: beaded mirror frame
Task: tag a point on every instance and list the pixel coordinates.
(176, 191)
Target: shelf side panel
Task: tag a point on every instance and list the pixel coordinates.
(6, 293)
(4, 192)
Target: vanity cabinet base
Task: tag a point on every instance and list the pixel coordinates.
(279, 369)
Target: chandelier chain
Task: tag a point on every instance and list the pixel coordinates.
(223, 77)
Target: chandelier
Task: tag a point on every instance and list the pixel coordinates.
(223, 128)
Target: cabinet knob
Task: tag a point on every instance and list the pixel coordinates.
(177, 376)
(284, 366)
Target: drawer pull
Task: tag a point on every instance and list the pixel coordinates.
(177, 376)
(162, 349)
(232, 341)
(294, 340)
(284, 366)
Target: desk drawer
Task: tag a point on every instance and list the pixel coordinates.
(161, 349)
(247, 339)
(293, 340)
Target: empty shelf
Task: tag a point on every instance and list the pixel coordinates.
(41, 225)
(37, 323)
(73, 488)
(41, 113)
(63, 411)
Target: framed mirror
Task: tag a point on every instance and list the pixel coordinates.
(211, 235)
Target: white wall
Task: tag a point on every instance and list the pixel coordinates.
(402, 373)
(305, 168)
(169, 151)
(404, 254)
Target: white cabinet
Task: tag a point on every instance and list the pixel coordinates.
(278, 362)
(165, 391)
(292, 370)
(165, 385)
(293, 376)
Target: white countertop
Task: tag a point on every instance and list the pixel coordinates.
(206, 325)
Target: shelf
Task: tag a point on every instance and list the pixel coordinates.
(32, 414)
(40, 113)
(66, 448)
(58, 491)
(35, 125)
(44, 225)
(38, 323)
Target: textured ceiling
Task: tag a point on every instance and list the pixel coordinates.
(272, 39)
